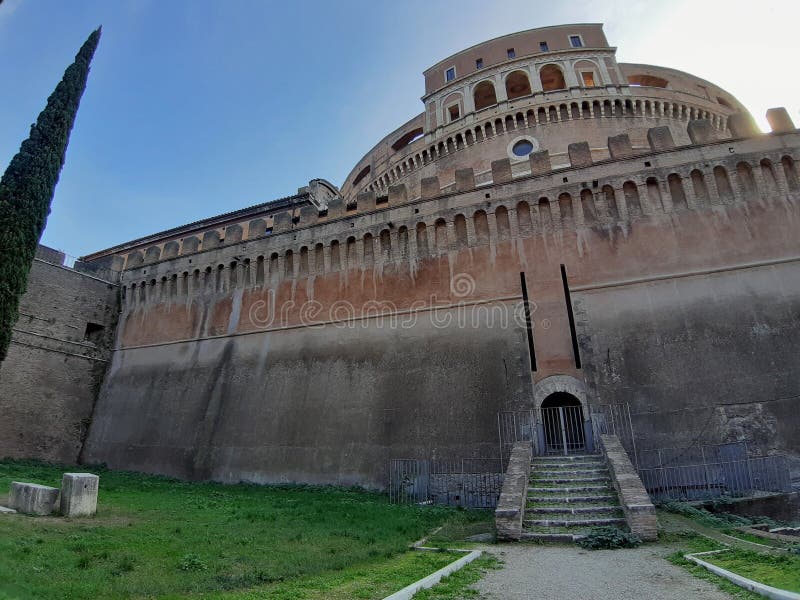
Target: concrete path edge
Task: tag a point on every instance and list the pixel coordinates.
(743, 582)
(427, 582)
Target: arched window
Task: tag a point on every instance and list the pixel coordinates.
(723, 182)
(481, 224)
(460, 226)
(587, 204)
(565, 208)
(545, 216)
(517, 85)
(453, 107)
(699, 187)
(647, 80)
(288, 264)
(611, 203)
(676, 191)
(386, 245)
(273, 266)
(524, 218)
(632, 201)
(746, 181)
(351, 253)
(503, 224)
(247, 277)
(361, 175)
(336, 255)
(587, 74)
(319, 259)
(440, 233)
(654, 193)
(768, 175)
(484, 95)
(422, 240)
(304, 261)
(790, 172)
(402, 240)
(552, 78)
(233, 275)
(369, 252)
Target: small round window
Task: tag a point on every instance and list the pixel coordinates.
(522, 148)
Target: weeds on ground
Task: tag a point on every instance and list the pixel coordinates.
(608, 538)
(717, 520)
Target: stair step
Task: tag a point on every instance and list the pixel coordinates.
(552, 537)
(573, 511)
(570, 490)
(568, 458)
(572, 499)
(575, 522)
(569, 479)
(570, 465)
(572, 472)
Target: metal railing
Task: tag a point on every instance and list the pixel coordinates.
(713, 479)
(468, 482)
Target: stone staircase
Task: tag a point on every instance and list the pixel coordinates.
(568, 495)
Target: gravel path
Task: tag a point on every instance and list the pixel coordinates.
(571, 573)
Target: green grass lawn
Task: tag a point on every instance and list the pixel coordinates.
(771, 566)
(158, 537)
(778, 570)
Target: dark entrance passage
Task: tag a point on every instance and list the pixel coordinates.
(561, 419)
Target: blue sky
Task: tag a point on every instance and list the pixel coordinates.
(195, 108)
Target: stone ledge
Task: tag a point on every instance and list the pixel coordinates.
(510, 509)
(639, 513)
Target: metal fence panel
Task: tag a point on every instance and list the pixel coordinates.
(468, 482)
(715, 479)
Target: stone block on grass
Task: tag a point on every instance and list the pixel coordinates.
(32, 498)
(79, 494)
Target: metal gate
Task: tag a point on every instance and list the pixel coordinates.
(565, 429)
(562, 430)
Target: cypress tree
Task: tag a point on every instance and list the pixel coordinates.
(27, 186)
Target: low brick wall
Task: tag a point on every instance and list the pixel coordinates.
(511, 506)
(639, 510)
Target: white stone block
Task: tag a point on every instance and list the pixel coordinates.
(32, 498)
(79, 494)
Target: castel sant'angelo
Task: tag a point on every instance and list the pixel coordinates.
(554, 229)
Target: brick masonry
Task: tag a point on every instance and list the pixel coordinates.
(510, 509)
(54, 367)
(639, 510)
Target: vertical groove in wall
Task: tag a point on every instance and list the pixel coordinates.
(575, 352)
(528, 328)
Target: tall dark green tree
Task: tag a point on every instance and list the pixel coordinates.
(27, 186)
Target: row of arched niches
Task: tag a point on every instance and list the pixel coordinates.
(690, 188)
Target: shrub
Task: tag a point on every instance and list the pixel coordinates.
(607, 537)
(192, 562)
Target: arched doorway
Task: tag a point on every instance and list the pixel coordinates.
(562, 424)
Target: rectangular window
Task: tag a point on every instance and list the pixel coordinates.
(544, 47)
(454, 112)
(575, 41)
(479, 63)
(511, 53)
(588, 78)
(450, 74)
